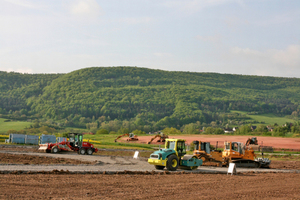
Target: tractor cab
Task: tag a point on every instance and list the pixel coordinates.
(75, 139)
(202, 147)
(176, 145)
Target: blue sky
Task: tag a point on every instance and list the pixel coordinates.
(250, 37)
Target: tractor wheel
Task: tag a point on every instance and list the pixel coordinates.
(172, 163)
(159, 167)
(89, 151)
(48, 151)
(82, 151)
(55, 149)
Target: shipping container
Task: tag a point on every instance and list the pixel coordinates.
(17, 138)
(47, 139)
(31, 139)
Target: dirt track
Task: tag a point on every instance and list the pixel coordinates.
(31, 171)
(275, 142)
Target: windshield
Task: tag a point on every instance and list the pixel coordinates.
(171, 145)
(227, 146)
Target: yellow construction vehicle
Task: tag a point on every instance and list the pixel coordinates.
(204, 152)
(131, 136)
(162, 138)
(174, 156)
(242, 156)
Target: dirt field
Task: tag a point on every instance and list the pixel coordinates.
(136, 185)
(179, 186)
(275, 142)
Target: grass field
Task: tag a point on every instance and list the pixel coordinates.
(108, 141)
(268, 119)
(12, 125)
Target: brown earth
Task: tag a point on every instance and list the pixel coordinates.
(275, 142)
(64, 185)
(170, 186)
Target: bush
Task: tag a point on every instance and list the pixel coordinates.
(102, 131)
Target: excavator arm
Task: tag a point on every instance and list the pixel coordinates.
(154, 138)
(126, 134)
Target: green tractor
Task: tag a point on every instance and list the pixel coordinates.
(173, 156)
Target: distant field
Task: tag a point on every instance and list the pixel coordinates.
(267, 118)
(15, 125)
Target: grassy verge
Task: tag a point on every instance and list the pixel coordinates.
(266, 118)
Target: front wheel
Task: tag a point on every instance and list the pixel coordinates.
(172, 163)
(54, 149)
(89, 152)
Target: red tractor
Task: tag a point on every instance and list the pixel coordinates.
(74, 143)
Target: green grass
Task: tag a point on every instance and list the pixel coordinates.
(268, 119)
(12, 125)
(108, 141)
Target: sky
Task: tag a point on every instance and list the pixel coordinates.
(249, 37)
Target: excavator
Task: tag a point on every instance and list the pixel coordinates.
(131, 136)
(162, 138)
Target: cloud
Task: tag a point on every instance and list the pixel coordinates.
(271, 62)
(85, 8)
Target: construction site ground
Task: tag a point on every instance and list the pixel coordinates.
(26, 173)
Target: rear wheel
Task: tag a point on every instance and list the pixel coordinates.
(55, 149)
(159, 167)
(89, 152)
(82, 151)
(172, 163)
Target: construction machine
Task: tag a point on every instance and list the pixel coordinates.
(242, 156)
(173, 156)
(162, 138)
(131, 136)
(203, 151)
(74, 142)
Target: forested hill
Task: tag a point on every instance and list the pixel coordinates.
(143, 96)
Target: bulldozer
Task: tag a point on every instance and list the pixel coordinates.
(131, 136)
(243, 156)
(73, 143)
(162, 138)
(203, 151)
(174, 156)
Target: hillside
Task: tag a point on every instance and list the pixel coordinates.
(145, 98)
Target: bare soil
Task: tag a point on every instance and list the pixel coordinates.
(65, 185)
(170, 186)
(275, 142)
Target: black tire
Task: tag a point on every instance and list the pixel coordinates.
(172, 163)
(55, 149)
(48, 151)
(159, 167)
(89, 151)
(82, 151)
